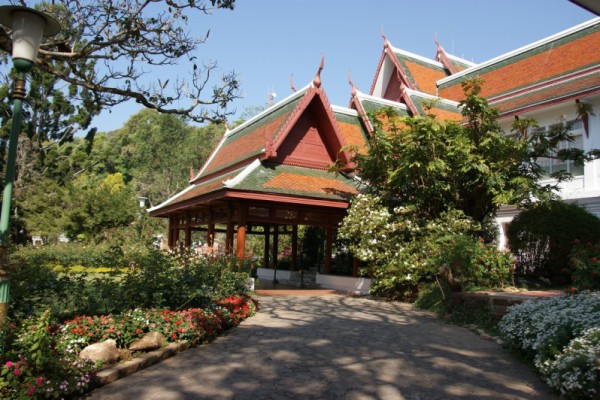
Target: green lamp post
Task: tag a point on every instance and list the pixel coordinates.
(27, 27)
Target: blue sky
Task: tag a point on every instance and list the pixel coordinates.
(266, 41)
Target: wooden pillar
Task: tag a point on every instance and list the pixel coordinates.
(176, 237)
(294, 265)
(229, 238)
(241, 233)
(171, 237)
(188, 232)
(210, 231)
(275, 245)
(355, 266)
(267, 229)
(210, 235)
(328, 248)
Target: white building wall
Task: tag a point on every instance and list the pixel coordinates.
(583, 189)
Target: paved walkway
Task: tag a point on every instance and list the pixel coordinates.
(336, 347)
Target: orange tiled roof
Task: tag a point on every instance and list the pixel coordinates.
(295, 182)
(561, 55)
(549, 93)
(424, 76)
(250, 139)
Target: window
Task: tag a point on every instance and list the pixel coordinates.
(550, 165)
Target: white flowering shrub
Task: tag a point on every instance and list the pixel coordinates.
(574, 371)
(397, 245)
(562, 336)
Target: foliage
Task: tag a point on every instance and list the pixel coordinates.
(474, 313)
(469, 263)
(105, 51)
(38, 365)
(584, 266)
(543, 250)
(196, 325)
(75, 254)
(434, 297)
(419, 171)
(152, 279)
(438, 166)
(312, 244)
(41, 361)
(90, 192)
(560, 335)
(398, 244)
(572, 371)
(157, 151)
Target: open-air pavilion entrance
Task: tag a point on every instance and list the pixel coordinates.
(271, 175)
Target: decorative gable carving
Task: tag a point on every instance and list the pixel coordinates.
(305, 144)
(392, 91)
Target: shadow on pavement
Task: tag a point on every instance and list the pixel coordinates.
(337, 347)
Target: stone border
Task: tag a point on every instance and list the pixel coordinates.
(109, 375)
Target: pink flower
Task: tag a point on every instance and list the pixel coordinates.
(17, 372)
(8, 364)
(31, 390)
(39, 380)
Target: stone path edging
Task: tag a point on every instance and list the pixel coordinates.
(145, 360)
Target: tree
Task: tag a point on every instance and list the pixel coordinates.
(429, 182)
(105, 48)
(436, 166)
(103, 206)
(158, 151)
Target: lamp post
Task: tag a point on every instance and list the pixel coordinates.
(27, 26)
(142, 203)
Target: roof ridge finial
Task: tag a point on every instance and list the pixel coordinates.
(386, 42)
(436, 41)
(354, 90)
(317, 79)
(292, 83)
(442, 57)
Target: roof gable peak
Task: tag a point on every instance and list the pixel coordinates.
(314, 106)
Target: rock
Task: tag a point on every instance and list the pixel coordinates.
(485, 336)
(106, 352)
(150, 341)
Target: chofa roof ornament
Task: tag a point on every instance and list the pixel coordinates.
(317, 78)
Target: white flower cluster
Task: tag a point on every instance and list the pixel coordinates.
(574, 370)
(562, 334)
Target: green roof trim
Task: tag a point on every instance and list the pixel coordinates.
(371, 106)
(420, 102)
(524, 55)
(256, 180)
(401, 57)
(252, 127)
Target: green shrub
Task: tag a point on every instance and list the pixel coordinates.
(585, 267)
(79, 255)
(469, 263)
(542, 237)
(434, 297)
(155, 279)
(398, 246)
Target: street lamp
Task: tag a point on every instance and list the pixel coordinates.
(27, 27)
(142, 202)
